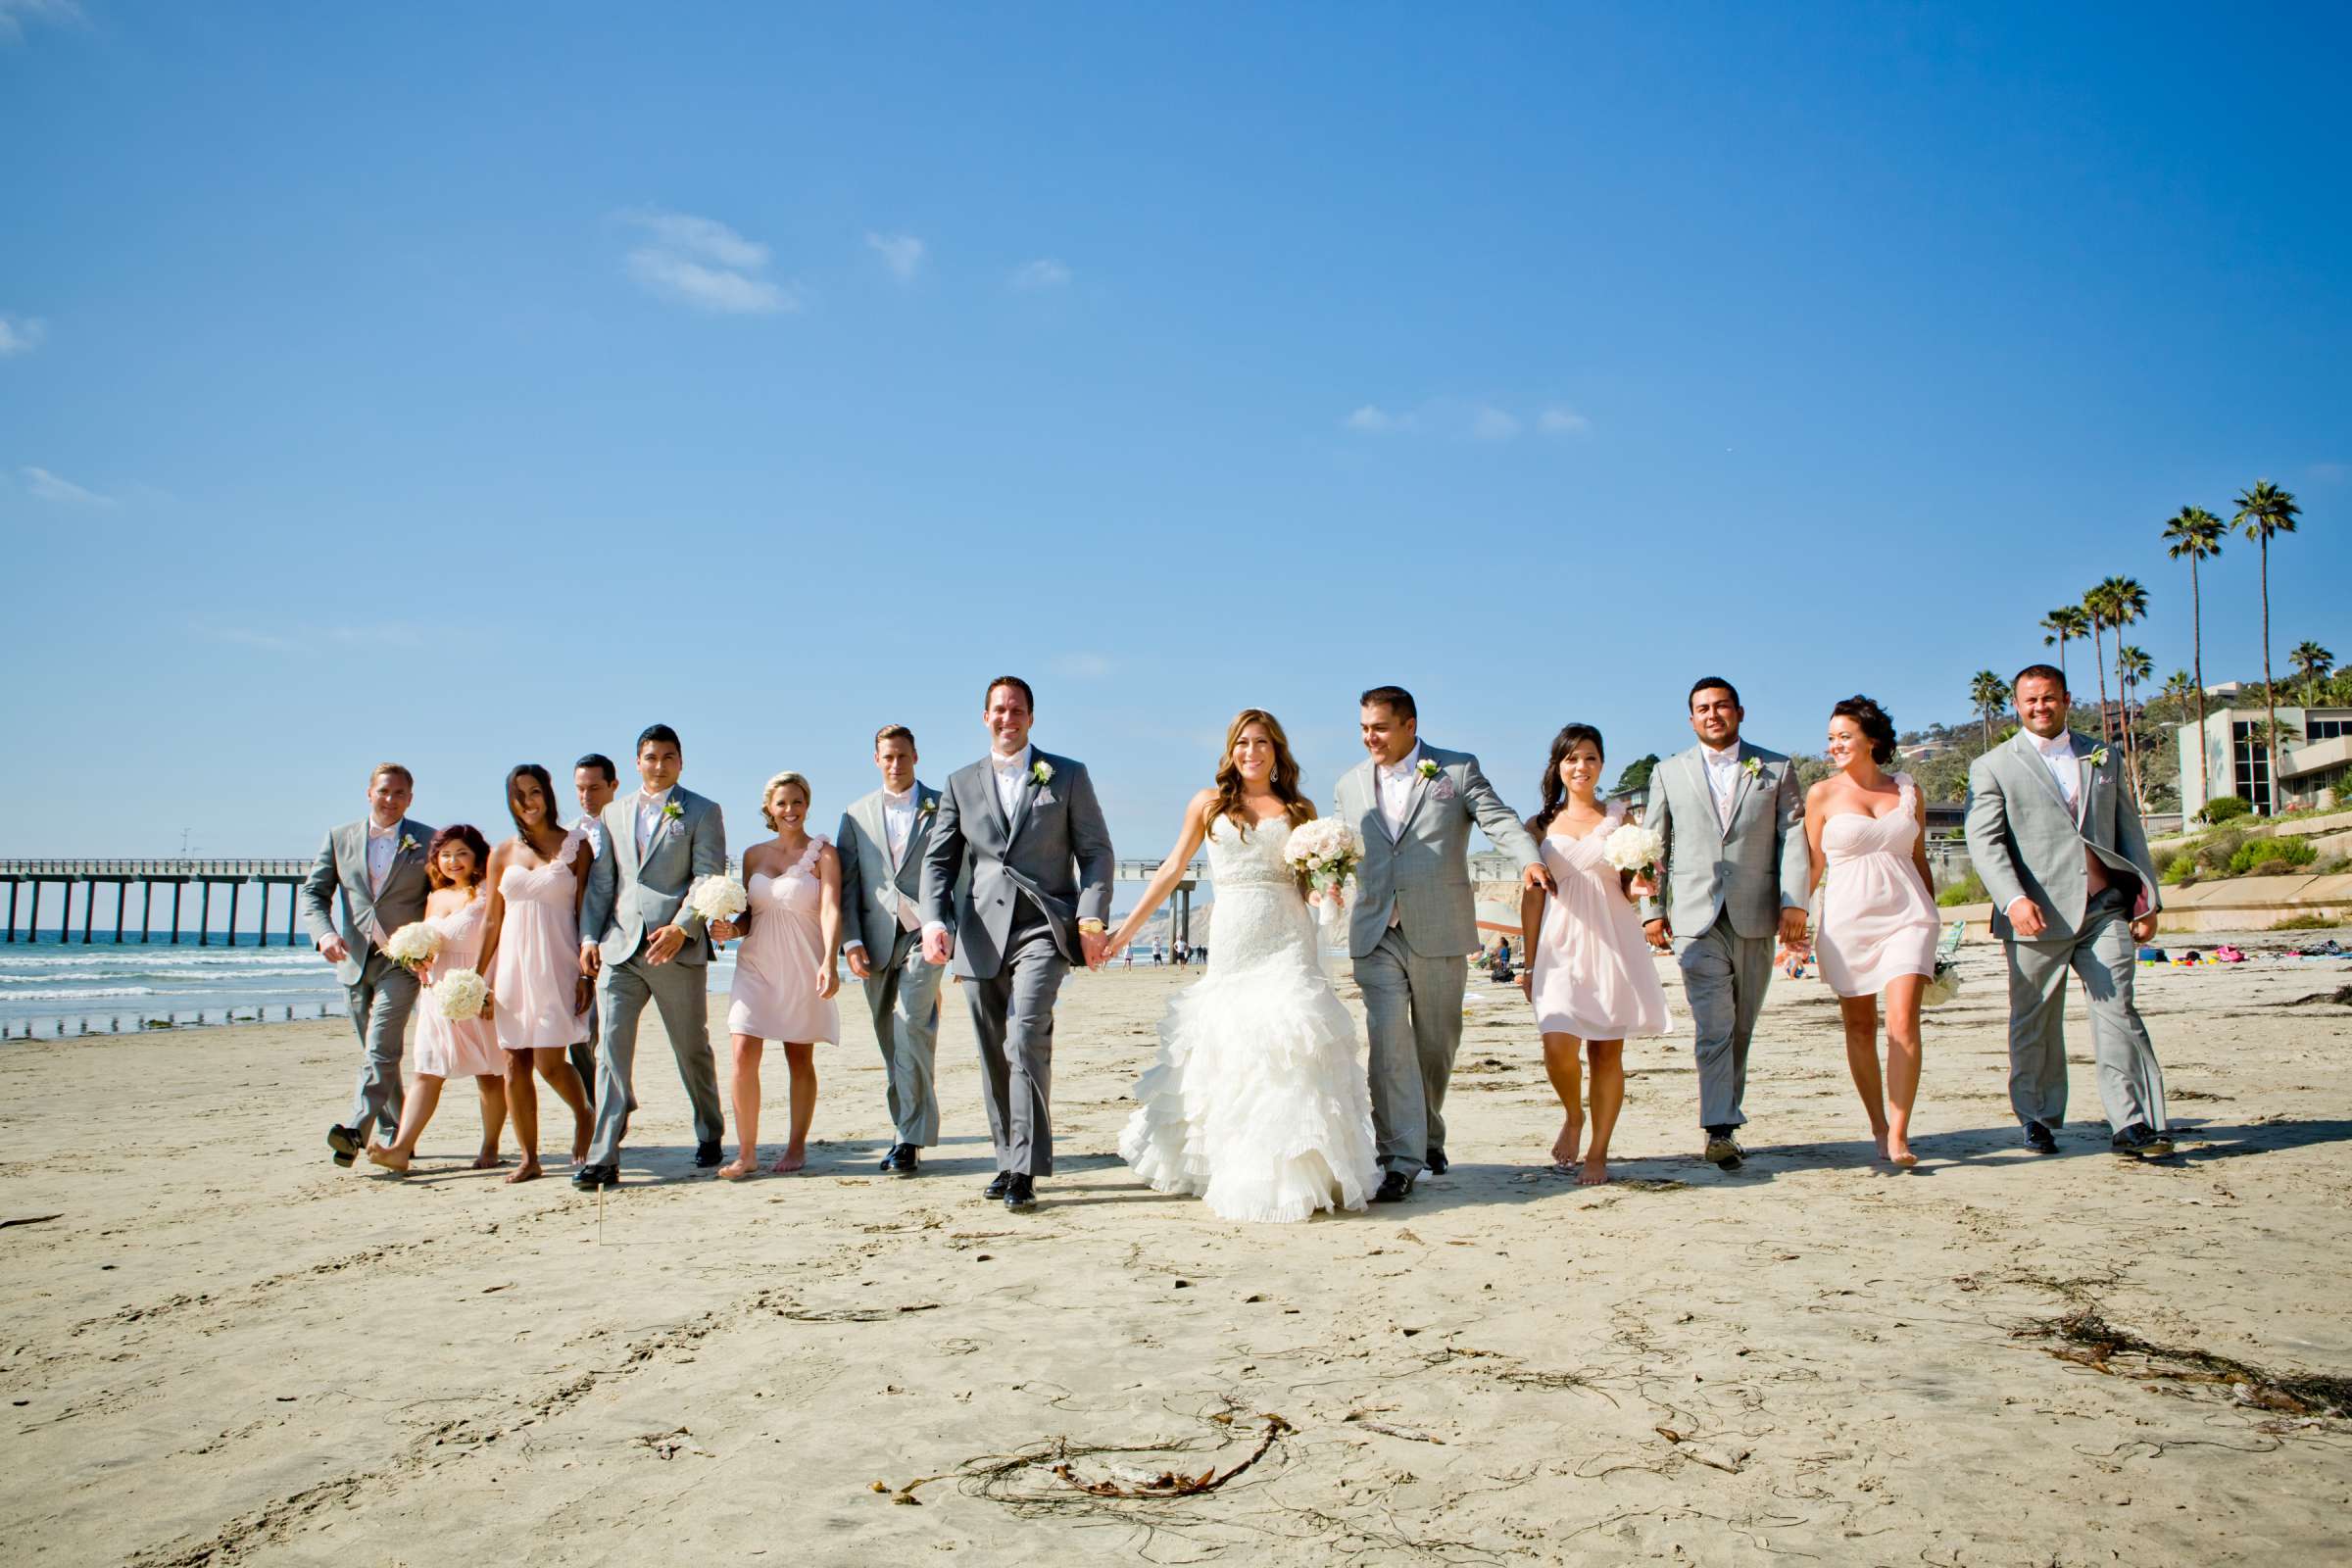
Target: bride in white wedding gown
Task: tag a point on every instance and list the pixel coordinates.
(1256, 1101)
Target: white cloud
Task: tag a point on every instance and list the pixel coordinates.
(20, 334)
(1562, 421)
(1084, 666)
(243, 637)
(47, 486)
(14, 13)
(703, 263)
(902, 254)
(1374, 419)
(1044, 273)
(1491, 423)
(2329, 472)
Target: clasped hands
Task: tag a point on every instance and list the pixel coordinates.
(1094, 944)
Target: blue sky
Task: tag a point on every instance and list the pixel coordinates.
(468, 385)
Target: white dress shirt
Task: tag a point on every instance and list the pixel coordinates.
(898, 826)
(1012, 777)
(2058, 755)
(384, 843)
(1723, 778)
(1394, 782)
(648, 816)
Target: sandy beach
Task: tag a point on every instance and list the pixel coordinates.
(221, 1349)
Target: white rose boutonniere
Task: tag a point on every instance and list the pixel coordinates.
(1426, 769)
(408, 841)
(1041, 774)
(2097, 759)
(673, 811)
(927, 808)
(1753, 766)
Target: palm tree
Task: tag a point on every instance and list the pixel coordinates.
(2312, 663)
(2132, 667)
(2262, 512)
(2094, 604)
(1989, 692)
(2066, 620)
(2124, 600)
(2196, 534)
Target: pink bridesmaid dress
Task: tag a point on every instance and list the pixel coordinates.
(1594, 976)
(775, 970)
(449, 1048)
(538, 969)
(1877, 921)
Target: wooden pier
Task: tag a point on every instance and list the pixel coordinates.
(28, 880)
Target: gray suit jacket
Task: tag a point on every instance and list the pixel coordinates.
(628, 897)
(869, 888)
(1055, 848)
(2025, 843)
(343, 868)
(1749, 873)
(1423, 873)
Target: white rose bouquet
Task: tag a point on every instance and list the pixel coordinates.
(1943, 986)
(1636, 848)
(414, 946)
(460, 996)
(717, 898)
(1325, 854)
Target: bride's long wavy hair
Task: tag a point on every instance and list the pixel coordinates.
(1285, 782)
(1554, 793)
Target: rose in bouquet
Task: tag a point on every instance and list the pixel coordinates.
(1942, 987)
(1325, 854)
(414, 946)
(460, 996)
(1636, 848)
(717, 898)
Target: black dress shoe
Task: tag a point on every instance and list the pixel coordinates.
(2040, 1139)
(1020, 1193)
(346, 1145)
(1000, 1187)
(706, 1155)
(1435, 1161)
(588, 1178)
(1724, 1152)
(2139, 1141)
(1395, 1187)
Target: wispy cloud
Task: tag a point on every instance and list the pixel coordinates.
(703, 263)
(242, 637)
(1450, 418)
(1562, 421)
(14, 13)
(2329, 472)
(47, 486)
(1084, 666)
(902, 254)
(1488, 423)
(20, 334)
(1044, 273)
(1373, 419)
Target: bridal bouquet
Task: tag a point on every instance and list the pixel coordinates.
(414, 946)
(717, 898)
(460, 996)
(1942, 987)
(1325, 854)
(1636, 848)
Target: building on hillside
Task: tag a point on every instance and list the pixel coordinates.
(2314, 765)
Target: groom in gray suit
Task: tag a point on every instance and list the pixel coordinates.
(1416, 921)
(374, 869)
(1026, 826)
(1734, 871)
(642, 943)
(881, 843)
(2056, 835)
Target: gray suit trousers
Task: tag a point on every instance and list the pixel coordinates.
(680, 992)
(1724, 978)
(583, 1054)
(1012, 1020)
(2103, 954)
(1413, 1014)
(904, 997)
(379, 1015)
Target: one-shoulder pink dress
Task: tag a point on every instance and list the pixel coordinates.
(449, 1048)
(775, 970)
(1594, 976)
(1877, 920)
(537, 978)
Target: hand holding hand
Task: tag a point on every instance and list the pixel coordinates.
(2025, 919)
(334, 949)
(1792, 927)
(592, 958)
(1095, 946)
(939, 946)
(828, 981)
(1538, 878)
(1661, 937)
(664, 945)
(1641, 887)
(859, 965)
(724, 931)
(583, 992)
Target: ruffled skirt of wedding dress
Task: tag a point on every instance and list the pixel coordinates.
(1257, 1103)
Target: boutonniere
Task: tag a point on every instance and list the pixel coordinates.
(927, 808)
(1426, 769)
(1753, 766)
(673, 811)
(408, 841)
(1041, 774)
(2098, 757)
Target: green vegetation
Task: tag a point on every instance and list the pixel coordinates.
(2224, 808)
(2271, 857)
(2306, 922)
(1970, 889)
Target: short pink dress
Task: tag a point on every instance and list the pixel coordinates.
(1877, 921)
(445, 1047)
(537, 976)
(775, 970)
(1593, 975)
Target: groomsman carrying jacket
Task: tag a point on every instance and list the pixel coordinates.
(1734, 871)
(375, 870)
(2055, 833)
(645, 944)
(1414, 923)
(881, 843)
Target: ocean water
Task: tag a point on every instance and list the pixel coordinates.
(54, 989)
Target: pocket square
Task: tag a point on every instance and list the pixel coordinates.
(1442, 788)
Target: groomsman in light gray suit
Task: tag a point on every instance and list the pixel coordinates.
(642, 943)
(1416, 921)
(1026, 826)
(2056, 835)
(881, 843)
(1735, 870)
(596, 781)
(374, 869)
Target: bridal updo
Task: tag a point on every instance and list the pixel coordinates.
(1285, 782)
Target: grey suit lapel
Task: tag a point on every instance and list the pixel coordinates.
(2031, 760)
(917, 837)
(1695, 763)
(1739, 784)
(1022, 793)
(1412, 801)
(623, 840)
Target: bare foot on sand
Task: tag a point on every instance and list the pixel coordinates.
(1572, 1139)
(1877, 1141)
(487, 1159)
(738, 1168)
(527, 1171)
(1898, 1150)
(388, 1158)
(790, 1160)
(1595, 1173)
(579, 1142)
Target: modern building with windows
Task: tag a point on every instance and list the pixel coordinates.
(2315, 759)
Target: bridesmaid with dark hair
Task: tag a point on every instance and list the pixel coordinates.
(532, 960)
(451, 1048)
(1866, 828)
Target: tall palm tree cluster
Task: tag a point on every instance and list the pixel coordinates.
(2193, 535)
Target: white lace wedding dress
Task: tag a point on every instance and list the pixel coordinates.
(1257, 1103)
